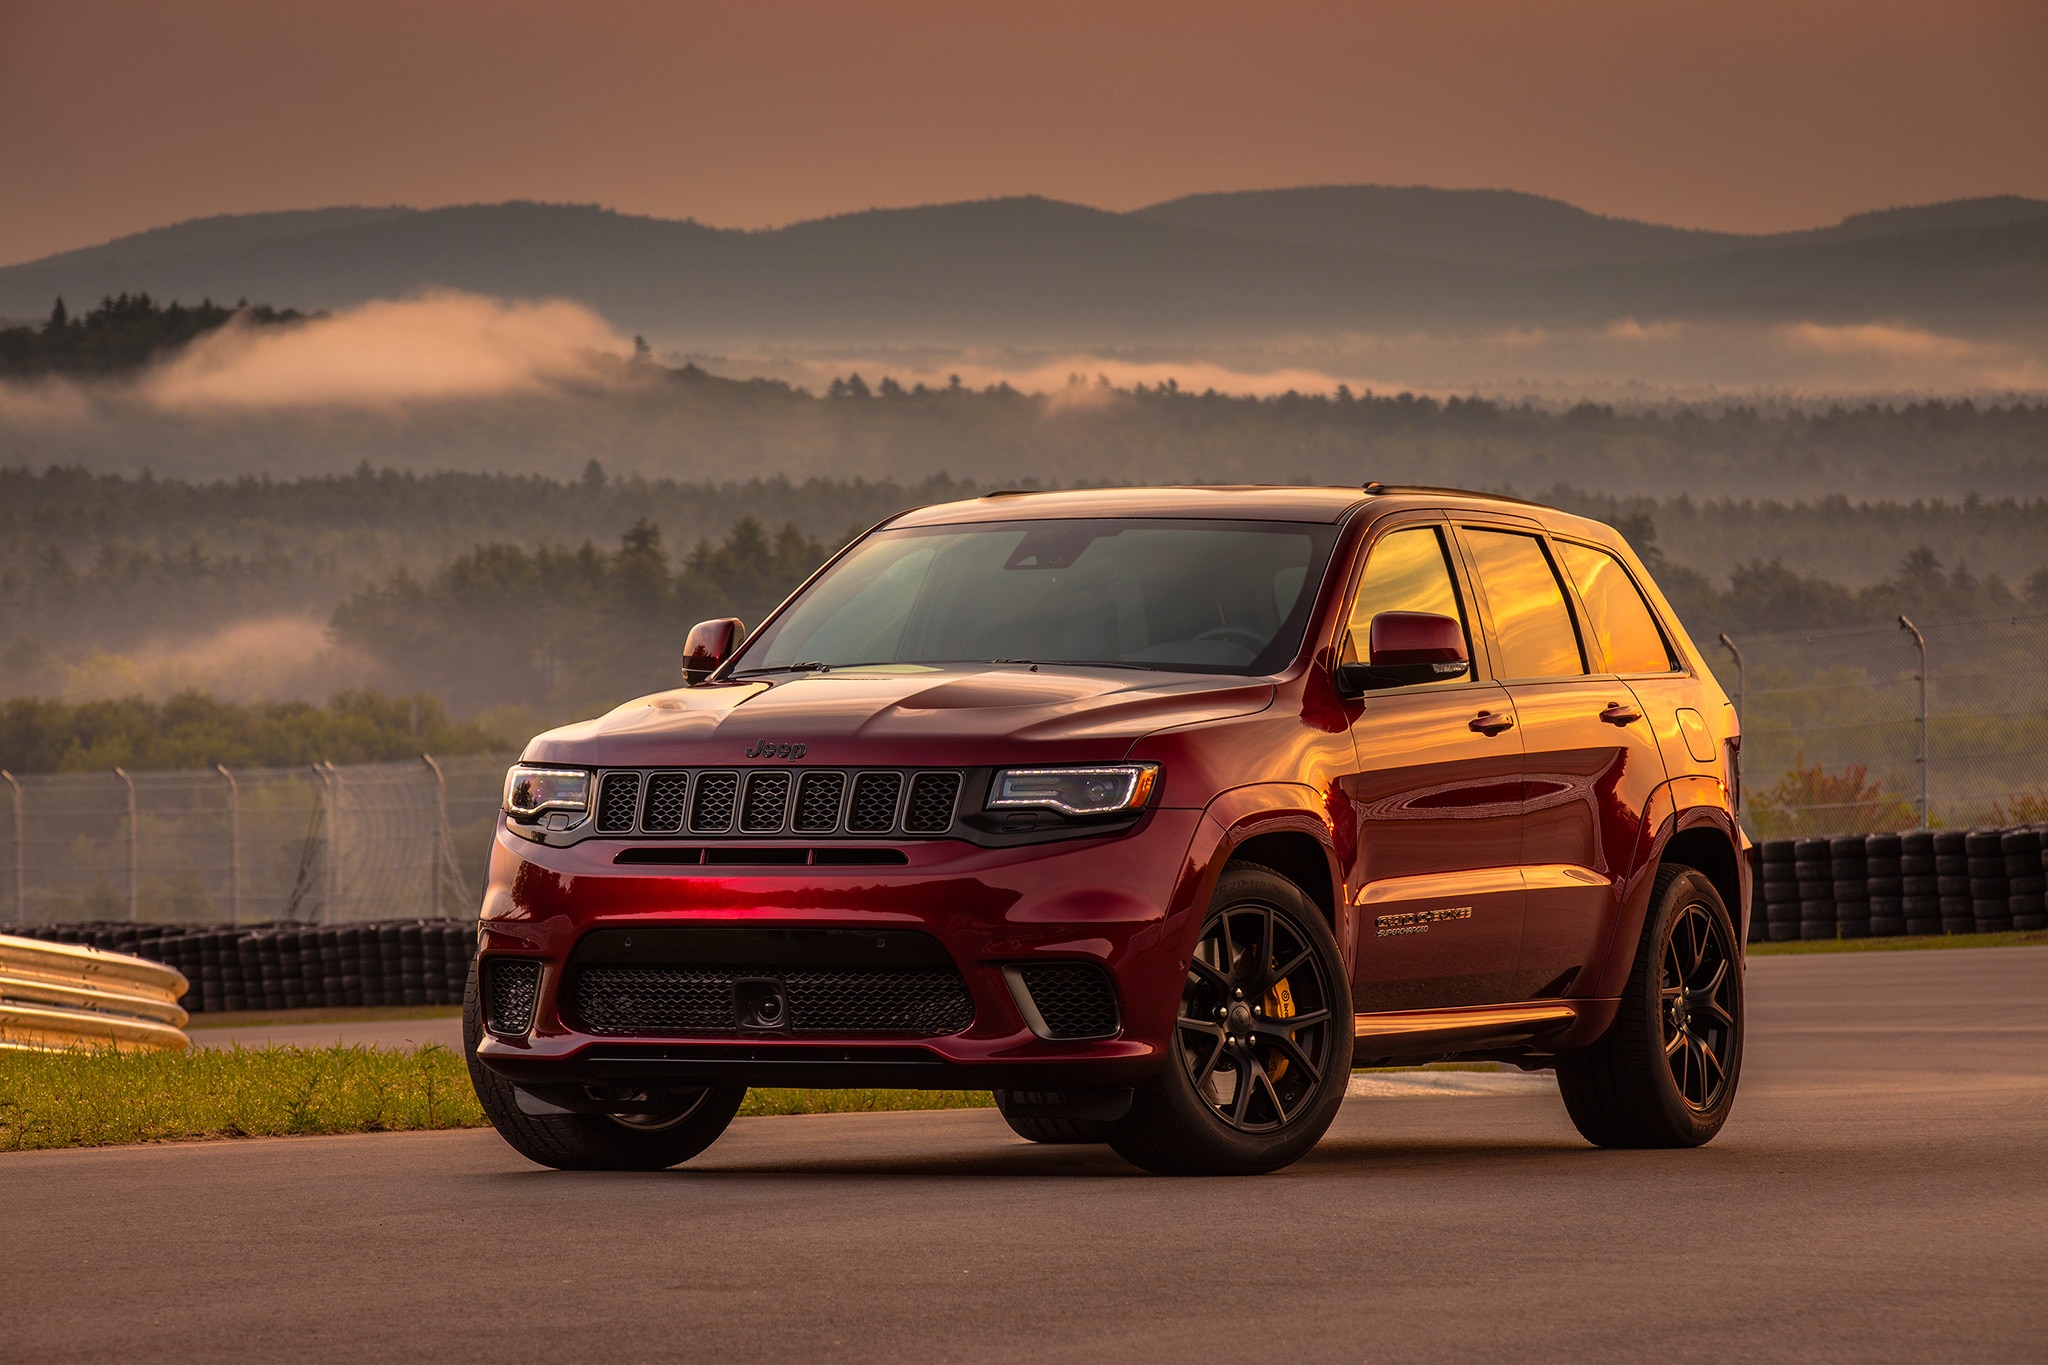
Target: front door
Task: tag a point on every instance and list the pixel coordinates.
(1590, 759)
(1437, 793)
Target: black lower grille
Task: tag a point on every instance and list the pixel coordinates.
(913, 1002)
(510, 989)
(1075, 999)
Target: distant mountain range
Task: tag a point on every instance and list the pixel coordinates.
(1031, 270)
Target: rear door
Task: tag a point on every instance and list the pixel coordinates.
(1436, 796)
(1590, 760)
(1623, 624)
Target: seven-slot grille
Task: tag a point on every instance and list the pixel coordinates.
(763, 802)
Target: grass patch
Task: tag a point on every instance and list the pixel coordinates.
(2012, 938)
(100, 1099)
(103, 1099)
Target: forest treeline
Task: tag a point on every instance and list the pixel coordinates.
(191, 731)
(585, 627)
(562, 596)
(644, 420)
(568, 630)
(122, 333)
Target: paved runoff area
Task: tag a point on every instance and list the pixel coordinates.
(1881, 1193)
(400, 1033)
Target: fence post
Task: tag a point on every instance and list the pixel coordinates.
(332, 870)
(234, 845)
(1921, 641)
(133, 841)
(20, 853)
(440, 830)
(1729, 645)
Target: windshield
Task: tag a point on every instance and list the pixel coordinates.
(1202, 596)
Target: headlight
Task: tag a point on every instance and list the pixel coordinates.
(1075, 791)
(531, 791)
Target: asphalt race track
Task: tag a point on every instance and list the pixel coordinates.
(1880, 1194)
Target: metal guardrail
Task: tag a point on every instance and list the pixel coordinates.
(58, 996)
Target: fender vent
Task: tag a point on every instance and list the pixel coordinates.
(1073, 999)
(511, 986)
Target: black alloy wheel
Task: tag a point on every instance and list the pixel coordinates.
(1254, 1022)
(1260, 1054)
(1665, 1074)
(1697, 990)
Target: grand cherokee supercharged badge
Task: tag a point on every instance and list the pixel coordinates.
(1417, 921)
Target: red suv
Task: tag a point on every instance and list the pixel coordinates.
(1154, 810)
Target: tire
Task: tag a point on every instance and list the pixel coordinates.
(1264, 954)
(1631, 1089)
(595, 1142)
(1054, 1132)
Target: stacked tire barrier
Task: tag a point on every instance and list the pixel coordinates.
(1980, 881)
(292, 966)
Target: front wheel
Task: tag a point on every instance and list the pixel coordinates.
(690, 1121)
(1261, 1051)
(1664, 1076)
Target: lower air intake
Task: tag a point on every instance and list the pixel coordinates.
(1075, 999)
(511, 987)
(910, 1002)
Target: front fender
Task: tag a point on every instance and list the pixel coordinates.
(1238, 816)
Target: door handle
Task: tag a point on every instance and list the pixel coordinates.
(1620, 713)
(1490, 723)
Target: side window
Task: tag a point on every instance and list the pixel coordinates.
(1531, 623)
(1407, 571)
(1620, 619)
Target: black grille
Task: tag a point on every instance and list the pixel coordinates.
(667, 795)
(1075, 999)
(874, 803)
(908, 1002)
(711, 811)
(767, 799)
(617, 802)
(931, 803)
(510, 988)
(817, 802)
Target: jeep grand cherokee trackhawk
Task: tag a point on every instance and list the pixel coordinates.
(1156, 811)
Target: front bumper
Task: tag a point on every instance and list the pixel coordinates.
(1127, 903)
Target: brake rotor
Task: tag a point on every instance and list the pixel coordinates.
(1279, 1004)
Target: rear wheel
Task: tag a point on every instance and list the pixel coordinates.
(683, 1124)
(1261, 1052)
(1665, 1075)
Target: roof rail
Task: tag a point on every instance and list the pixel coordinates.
(1379, 488)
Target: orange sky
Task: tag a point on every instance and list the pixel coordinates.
(117, 115)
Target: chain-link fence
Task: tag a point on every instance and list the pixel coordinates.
(1844, 732)
(324, 844)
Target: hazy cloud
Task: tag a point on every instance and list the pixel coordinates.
(279, 657)
(434, 346)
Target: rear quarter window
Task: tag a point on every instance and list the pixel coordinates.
(1619, 617)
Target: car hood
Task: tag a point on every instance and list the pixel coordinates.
(962, 718)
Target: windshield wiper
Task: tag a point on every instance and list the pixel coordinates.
(811, 667)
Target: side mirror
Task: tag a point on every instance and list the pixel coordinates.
(1407, 647)
(710, 644)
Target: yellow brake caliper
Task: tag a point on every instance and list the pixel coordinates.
(1279, 1005)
